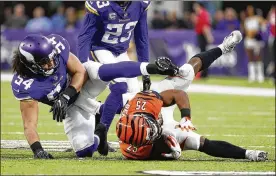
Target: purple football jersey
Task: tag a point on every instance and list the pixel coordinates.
(108, 26)
(45, 89)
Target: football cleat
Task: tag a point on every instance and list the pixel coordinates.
(166, 67)
(256, 155)
(230, 42)
(101, 132)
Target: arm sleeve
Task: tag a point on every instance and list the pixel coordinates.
(141, 38)
(85, 36)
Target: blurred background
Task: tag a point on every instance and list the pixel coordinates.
(175, 30)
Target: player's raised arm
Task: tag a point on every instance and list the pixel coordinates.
(86, 33)
(181, 99)
(29, 112)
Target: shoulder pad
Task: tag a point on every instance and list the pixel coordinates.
(61, 44)
(145, 4)
(96, 7)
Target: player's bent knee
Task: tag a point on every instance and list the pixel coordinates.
(88, 151)
(119, 87)
(92, 69)
(181, 83)
(192, 142)
(188, 72)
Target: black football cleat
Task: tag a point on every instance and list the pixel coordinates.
(166, 67)
(101, 131)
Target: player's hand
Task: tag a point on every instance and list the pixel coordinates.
(174, 146)
(186, 123)
(146, 82)
(41, 154)
(166, 67)
(60, 107)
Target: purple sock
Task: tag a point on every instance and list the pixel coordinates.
(118, 111)
(113, 103)
(126, 69)
(88, 152)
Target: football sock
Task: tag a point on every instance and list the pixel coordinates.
(126, 69)
(118, 111)
(112, 103)
(88, 152)
(208, 57)
(222, 149)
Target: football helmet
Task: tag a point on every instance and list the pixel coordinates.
(38, 51)
(138, 129)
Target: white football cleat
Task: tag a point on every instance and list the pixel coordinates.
(230, 42)
(256, 155)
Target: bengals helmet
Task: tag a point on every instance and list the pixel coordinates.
(139, 129)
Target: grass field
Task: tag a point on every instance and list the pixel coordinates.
(243, 120)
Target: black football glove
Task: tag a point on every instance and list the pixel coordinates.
(166, 67)
(146, 82)
(41, 154)
(60, 105)
(59, 108)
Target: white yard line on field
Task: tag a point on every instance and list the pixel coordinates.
(54, 145)
(164, 172)
(113, 134)
(199, 88)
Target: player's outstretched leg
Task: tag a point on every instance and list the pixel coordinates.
(226, 150)
(129, 69)
(203, 60)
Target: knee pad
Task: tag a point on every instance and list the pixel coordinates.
(88, 152)
(192, 142)
(188, 140)
(180, 83)
(118, 87)
(187, 72)
(92, 69)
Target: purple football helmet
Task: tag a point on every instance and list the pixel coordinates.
(38, 51)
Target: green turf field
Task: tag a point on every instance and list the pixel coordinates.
(242, 120)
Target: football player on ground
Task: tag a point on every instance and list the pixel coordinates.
(105, 36)
(47, 72)
(144, 132)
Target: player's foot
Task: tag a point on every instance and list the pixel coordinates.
(256, 155)
(166, 67)
(230, 42)
(101, 132)
(110, 148)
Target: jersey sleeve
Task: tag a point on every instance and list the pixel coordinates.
(145, 5)
(141, 38)
(91, 7)
(20, 88)
(87, 31)
(62, 46)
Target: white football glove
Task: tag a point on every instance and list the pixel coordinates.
(186, 123)
(174, 146)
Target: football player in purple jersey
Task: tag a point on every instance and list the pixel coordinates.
(47, 72)
(104, 37)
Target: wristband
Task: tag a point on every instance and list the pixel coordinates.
(185, 112)
(70, 91)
